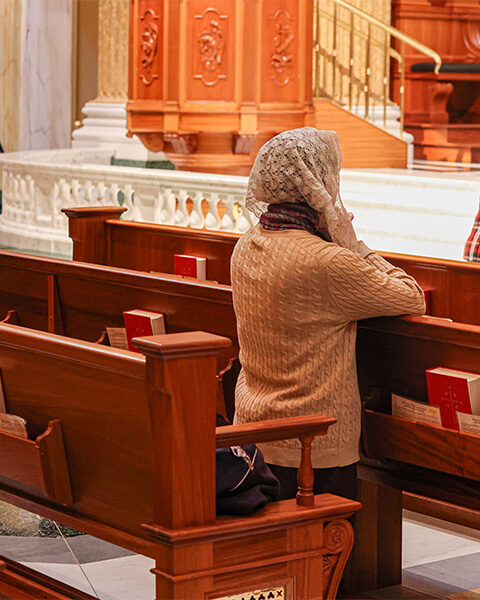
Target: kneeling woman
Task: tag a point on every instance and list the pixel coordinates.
(301, 280)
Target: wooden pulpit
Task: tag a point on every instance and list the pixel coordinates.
(212, 80)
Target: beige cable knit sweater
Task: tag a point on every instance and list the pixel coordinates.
(297, 299)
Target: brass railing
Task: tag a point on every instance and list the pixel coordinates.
(344, 53)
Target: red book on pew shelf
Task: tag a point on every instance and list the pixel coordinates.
(453, 391)
(428, 301)
(142, 322)
(190, 266)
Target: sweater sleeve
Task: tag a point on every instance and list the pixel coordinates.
(365, 285)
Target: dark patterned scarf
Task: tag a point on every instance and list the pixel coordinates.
(293, 215)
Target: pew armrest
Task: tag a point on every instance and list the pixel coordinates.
(304, 428)
(275, 429)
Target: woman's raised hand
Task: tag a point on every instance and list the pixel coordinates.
(341, 228)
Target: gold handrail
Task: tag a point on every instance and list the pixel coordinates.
(328, 63)
(396, 33)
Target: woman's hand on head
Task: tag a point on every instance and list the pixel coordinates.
(343, 233)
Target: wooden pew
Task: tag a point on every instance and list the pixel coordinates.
(393, 354)
(123, 447)
(80, 300)
(402, 455)
(100, 236)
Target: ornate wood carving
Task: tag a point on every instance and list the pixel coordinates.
(234, 69)
(270, 593)
(242, 143)
(211, 47)
(182, 143)
(440, 93)
(152, 141)
(149, 46)
(338, 542)
(282, 58)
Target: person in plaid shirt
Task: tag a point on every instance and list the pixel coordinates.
(472, 247)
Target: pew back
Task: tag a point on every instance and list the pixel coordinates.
(126, 433)
(101, 239)
(48, 377)
(393, 355)
(98, 238)
(125, 450)
(80, 300)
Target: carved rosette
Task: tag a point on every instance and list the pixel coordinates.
(210, 47)
(148, 46)
(338, 541)
(282, 57)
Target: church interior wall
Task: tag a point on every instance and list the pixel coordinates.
(86, 55)
(36, 61)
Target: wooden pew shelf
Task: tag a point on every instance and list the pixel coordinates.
(39, 463)
(447, 450)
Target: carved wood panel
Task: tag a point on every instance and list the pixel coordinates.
(280, 52)
(450, 27)
(148, 50)
(210, 50)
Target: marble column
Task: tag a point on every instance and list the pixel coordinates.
(36, 73)
(113, 51)
(105, 122)
(10, 61)
(47, 84)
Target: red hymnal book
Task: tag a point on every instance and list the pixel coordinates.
(142, 322)
(428, 301)
(190, 266)
(453, 391)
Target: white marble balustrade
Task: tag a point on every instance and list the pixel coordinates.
(36, 185)
(406, 211)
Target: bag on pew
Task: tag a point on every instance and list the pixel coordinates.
(244, 482)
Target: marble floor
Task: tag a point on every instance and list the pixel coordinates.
(439, 561)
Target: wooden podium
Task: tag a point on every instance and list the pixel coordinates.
(442, 111)
(212, 80)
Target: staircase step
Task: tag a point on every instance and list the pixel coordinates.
(364, 145)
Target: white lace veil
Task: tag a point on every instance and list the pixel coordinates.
(301, 165)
